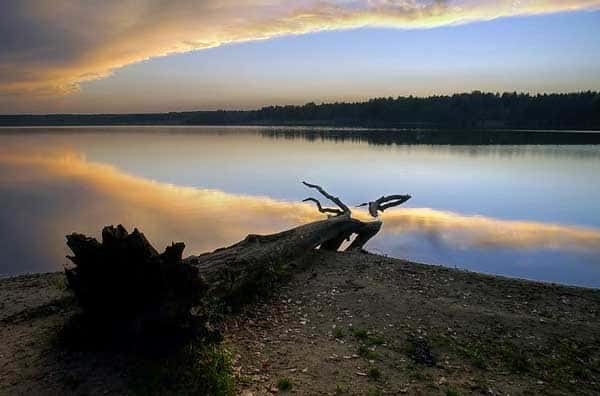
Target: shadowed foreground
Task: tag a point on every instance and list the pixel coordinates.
(351, 324)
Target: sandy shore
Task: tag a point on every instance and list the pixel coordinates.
(355, 324)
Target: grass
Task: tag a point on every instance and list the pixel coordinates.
(59, 282)
(284, 384)
(196, 369)
(452, 392)
(341, 390)
(475, 355)
(154, 365)
(417, 374)
(419, 350)
(374, 373)
(558, 363)
(267, 281)
(365, 352)
(374, 392)
(375, 340)
(561, 363)
(338, 333)
(361, 334)
(516, 361)
(367, 340)
(505, 352)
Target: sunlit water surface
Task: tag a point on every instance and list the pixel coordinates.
(521, 211)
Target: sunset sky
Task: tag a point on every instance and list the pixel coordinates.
(70, 56)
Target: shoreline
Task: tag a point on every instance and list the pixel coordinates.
(345, 319)
(412, 262)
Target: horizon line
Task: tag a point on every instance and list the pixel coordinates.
(363, 101)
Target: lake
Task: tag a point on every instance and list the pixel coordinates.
(526, 211)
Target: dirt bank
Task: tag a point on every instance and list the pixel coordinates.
(351, 323)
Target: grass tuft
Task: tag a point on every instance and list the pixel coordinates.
(375, 340)
(361, 334)
(452, 392)
(365, 352)
(340, 390)
(374, 392)
(284, 384)
(374, 373)
(196, 369)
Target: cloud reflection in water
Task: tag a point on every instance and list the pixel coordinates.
(45, 194)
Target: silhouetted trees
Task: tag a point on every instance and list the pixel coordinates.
(468, 110)
(474, 110)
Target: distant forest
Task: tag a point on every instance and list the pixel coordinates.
(469, 110)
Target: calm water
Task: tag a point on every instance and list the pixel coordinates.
(522, 211)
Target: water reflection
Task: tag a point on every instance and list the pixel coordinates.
(435, 136)
(555, 184)
(46, 192)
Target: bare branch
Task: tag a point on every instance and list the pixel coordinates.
(392, 200)
(322, 209)
(345, 209)
(384, 203)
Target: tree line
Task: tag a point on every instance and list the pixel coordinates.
(467, 110)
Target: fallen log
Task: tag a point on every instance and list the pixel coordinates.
(228, 270)
(125, 278)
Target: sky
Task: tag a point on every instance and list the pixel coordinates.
(77, 56)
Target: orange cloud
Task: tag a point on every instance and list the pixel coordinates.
(49, 48)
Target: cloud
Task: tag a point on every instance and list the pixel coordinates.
(50, 47)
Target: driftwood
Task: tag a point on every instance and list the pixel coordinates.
(383, 203)
(125, 277)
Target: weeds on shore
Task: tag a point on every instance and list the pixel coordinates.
(361, 334)
(374, 392)
(364, 336)
(284, 384)
(375, 340)
(59, 282)
(374, 373)
(564, 363)
(452, 392)
(196, 369)
(365, 352)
